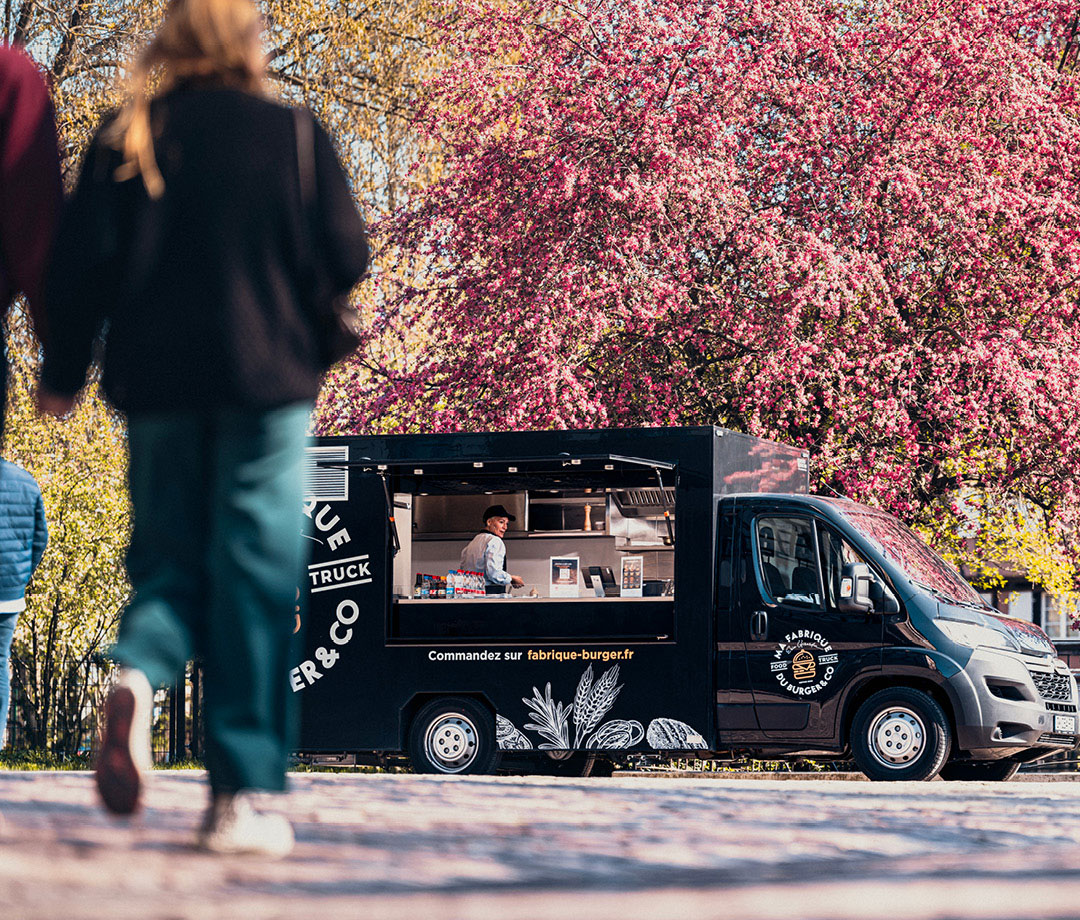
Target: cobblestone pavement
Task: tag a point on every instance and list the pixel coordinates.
(396, 846)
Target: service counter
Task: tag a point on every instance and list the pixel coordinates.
(496, 618)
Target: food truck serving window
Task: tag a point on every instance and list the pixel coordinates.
(580, 548)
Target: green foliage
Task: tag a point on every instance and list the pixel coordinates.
(992, 538)
(37, 759)
(187, 764)
(76, 595)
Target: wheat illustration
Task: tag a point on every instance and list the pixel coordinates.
(551, 720)
(582, 695)
(595, 703)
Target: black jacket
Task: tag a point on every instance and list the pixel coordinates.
(222, 291)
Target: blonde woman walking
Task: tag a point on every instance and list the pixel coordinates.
(212, 238)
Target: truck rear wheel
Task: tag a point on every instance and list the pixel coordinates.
(453, 735)
(900, 734)
(987, 771)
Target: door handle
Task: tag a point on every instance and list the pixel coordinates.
(759, 625)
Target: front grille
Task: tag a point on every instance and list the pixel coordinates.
(1060, 707)
(1052, 686)
(1051, 738)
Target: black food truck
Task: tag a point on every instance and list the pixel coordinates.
(682, 594)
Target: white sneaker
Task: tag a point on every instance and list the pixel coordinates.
(233, 825)
(125, 754)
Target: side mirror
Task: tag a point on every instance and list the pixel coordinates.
(882, 597)
(855, 587)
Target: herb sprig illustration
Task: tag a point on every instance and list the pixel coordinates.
(551, 720)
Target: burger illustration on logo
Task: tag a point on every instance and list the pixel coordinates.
(802, 665)
(804, 662)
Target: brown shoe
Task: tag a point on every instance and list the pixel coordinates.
(125, 747)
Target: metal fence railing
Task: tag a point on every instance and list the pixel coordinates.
(177, 723)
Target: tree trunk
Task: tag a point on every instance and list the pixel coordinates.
(22, 25)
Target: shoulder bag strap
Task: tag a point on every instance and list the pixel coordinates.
(305, 155)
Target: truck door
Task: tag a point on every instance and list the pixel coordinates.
(801, 650)
(734, 699)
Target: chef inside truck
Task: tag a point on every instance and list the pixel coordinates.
(486, 553)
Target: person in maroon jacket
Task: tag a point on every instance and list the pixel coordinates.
(30, 188)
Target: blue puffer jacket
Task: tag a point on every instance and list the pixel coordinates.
(23, 533)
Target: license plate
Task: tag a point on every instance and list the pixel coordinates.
(1064, 725)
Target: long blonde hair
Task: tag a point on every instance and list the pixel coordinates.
(217, 39)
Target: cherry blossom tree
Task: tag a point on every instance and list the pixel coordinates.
(854, 226)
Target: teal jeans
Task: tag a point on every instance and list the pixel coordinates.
(215, 558)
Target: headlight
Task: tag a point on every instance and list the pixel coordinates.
(1035, 643)
(972, 635)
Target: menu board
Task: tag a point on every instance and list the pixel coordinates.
(564, 576)
(632, 576)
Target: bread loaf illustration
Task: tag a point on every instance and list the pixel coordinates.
(508, 738)
(616, 735)
(673, 735)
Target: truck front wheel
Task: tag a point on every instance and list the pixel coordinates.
(900, 734)
(453, 735)
(987, 771)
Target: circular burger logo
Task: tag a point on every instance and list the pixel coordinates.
(804, 662)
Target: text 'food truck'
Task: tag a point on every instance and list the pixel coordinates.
(558, 601)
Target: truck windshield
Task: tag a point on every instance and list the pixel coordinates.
(920, 563)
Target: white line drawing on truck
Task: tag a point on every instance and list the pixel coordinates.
(592, 701)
